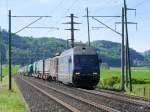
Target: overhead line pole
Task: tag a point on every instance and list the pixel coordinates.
(72, 29)
(126, 49)
(124, 25)
(128, 61)
(1, 55)
(128, 64)
(10, 36)
(10, 75)
(122, 49)
(88, 24)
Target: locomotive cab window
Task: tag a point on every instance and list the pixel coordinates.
(86, 60)
(70, 60)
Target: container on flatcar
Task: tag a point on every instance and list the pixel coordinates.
(54, 68)
(47, 68)
(40, 68)
(30, 69)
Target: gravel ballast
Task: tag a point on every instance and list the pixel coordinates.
(37, 101)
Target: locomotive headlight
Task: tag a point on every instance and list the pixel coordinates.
(77, 73)
(94, 73)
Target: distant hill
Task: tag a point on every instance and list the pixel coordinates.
(147, 54)
(147, 58)
(28, 49)
(110, 52)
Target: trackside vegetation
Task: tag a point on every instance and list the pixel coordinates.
(10, 101)
(6, 70)
(110, 79)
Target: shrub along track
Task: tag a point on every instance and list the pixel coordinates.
(121, 105)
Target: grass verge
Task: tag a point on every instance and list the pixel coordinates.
(110, 79)
(6, 69)
(140, 90)
(10, 101)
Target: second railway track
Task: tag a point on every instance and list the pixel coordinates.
(114, 104)
(125, 95)
(39, 101)
(76, 103)
(136, 101)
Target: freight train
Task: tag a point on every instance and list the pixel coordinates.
(79, 66)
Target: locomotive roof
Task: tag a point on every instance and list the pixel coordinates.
(80, 50)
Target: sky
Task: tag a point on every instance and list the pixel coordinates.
(139, 38)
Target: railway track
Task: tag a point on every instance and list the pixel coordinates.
(117, 104)
(83, 104)
(40, 101)
(125, 95)
(69, 107)
(120, 97)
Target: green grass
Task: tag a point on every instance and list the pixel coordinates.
(137, 73)
(142, 73)
(138, 90)
(10, 101)
(6, 69)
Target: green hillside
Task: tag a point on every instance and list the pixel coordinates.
(28, 49)
(110, 52)
(147, 54)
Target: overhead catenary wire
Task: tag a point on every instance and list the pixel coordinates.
(140, 3)
(107, 26)
(28, 25)
(67, 10)
(57, 6)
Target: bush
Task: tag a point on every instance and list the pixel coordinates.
(140, 81)
(111, 81)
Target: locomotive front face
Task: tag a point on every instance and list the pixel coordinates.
(86, 70)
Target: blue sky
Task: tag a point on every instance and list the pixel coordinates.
(58, 9)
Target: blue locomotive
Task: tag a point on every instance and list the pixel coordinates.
(79, 66)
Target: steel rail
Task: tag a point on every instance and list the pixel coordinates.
(69, 107)
(125, 95)
(99, 106)
(117, 97)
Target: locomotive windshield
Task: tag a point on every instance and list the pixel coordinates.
(86, 60)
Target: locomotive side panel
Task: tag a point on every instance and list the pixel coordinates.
(65, 67)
